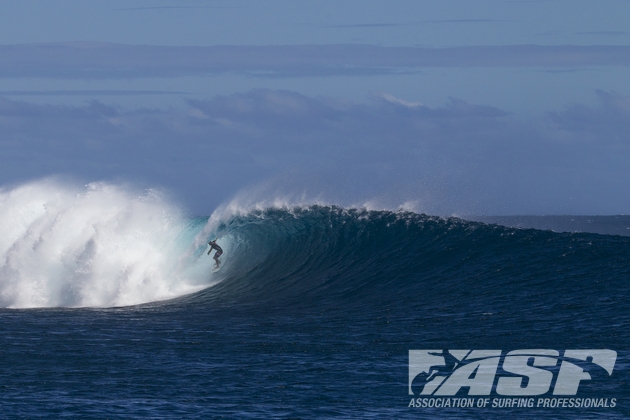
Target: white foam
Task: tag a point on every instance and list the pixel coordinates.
(98, 245)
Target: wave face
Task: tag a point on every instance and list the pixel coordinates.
(316, 256)
(101, 245)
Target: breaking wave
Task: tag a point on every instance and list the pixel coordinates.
(98, 245)
(106, 245)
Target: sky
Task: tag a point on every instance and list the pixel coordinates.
(445, 107)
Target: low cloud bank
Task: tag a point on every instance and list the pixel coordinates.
(458, 158)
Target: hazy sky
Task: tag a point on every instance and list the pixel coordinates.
(458, 107)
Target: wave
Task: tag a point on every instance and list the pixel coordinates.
(105, 245)
(315, 256)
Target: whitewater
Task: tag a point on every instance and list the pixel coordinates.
(95, 245)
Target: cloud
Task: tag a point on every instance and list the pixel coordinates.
(108, 92)
(366, 25)
(392, 25)
(463, 21)
(457, 158)
(608, 123)
(171, 7)
(111, 61)
(605, 33)
(392, 99)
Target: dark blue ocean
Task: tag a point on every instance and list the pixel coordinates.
(312, 315)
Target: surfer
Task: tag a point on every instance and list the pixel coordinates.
(213, 245)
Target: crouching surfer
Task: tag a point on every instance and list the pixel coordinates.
(213, 245)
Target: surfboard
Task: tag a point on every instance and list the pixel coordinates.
(215, 269)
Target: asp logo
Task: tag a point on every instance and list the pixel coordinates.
(522, 373)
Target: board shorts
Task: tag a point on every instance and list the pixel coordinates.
(218, 254)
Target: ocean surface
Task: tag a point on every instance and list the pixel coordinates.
(110, 308)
